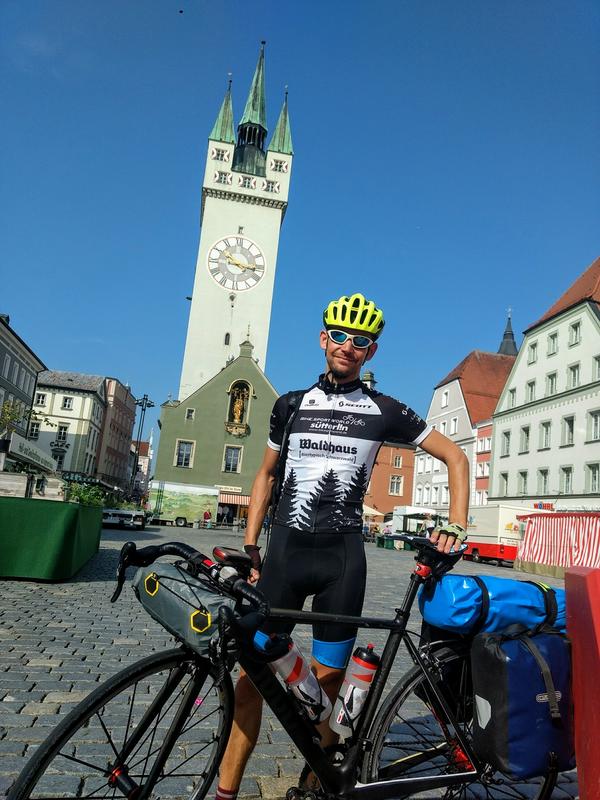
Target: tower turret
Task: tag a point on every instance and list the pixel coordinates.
(249, 154)
(281, 141)
(223, 128)
(508, 346)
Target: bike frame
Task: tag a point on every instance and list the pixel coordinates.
(340, 779)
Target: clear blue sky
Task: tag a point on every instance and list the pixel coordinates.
(446, 165)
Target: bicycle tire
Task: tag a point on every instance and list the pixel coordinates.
(131, 715)
(405, 730)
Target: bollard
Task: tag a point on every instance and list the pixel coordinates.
(583, 627)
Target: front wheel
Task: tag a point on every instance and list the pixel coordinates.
(410, 741)
(156, 729)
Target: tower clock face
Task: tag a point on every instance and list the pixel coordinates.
(236, 263)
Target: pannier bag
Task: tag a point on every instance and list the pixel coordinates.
(523, 701)
(186, 606)
(472, 604)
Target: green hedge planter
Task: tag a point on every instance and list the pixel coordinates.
(45, 539)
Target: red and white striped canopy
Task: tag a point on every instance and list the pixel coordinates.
(562, 540)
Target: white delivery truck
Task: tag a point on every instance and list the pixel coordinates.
(494, 532)
(182, 504)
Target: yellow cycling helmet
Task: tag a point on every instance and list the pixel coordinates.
(354, 312)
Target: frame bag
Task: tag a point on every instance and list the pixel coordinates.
(523, 706)
(187, 606)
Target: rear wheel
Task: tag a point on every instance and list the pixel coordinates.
(475, 556)
(181, 522)
(158, 727)
(410, 742)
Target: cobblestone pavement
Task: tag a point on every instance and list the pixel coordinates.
(59, 640)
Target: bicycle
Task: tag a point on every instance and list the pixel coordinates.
(159, 727)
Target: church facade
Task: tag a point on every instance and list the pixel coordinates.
(215, 433)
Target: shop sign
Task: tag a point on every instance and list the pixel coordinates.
(24, 450)
(230, 489)
(544, 506)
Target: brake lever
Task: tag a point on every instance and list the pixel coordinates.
(127, 551)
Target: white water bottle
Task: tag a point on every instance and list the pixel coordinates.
(353, 692)
(297, 675)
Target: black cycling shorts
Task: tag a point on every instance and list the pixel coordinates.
(330, 566)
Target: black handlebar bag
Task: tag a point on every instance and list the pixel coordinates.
(523, 705)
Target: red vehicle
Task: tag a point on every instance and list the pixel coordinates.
(495, 532)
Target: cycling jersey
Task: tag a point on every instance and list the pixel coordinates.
(332, 444)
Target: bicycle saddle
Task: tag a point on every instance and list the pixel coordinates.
(233, 558)
(427, 553)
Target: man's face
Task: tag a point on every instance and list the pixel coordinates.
(344, 361)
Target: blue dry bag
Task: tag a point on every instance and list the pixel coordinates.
(470, 604)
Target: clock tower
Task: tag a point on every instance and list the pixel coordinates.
(244, 199)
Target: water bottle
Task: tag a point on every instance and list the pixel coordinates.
(297, 675)
(353, 692)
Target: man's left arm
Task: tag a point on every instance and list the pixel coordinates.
(444, 449)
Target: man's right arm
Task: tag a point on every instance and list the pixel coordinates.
(260, 497)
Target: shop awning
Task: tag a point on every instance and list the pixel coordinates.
(226, 498)
(371, 512)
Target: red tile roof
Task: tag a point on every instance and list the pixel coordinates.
(482, 377)
(586, 287)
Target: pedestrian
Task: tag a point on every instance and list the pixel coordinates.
(207, 518)
(321, 450)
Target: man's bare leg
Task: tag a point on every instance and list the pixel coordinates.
(244, 734)
(330, 679)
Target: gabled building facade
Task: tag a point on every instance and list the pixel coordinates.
(117, 429)
(463, 400)
(546, 428)
(19, 367)
(70, 409)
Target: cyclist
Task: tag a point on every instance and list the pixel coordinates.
(321, 450)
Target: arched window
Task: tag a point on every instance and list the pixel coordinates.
(227, 338)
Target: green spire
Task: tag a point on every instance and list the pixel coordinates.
(282, 138)
(223, 128)
(255, 111)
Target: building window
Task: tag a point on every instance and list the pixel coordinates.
(573, 376)
(444, 495)
(542, 484)
(435, 495)
(190, 413)
(232, 459)
(523, 482)
(15, 375)
(443, 427)
(453, 425)
(270, 186)
(6, 369)
(532, 353)
(419, 495)
(246, 182)
(227, 339)
(222, 177)
(512, 398)
(505, 443)
(67, 403)
(396, 484)
(427, 494)
(40, 399)
(593, 478)
(60, 460)
(61, 434)
(436, 465)
(574, 333)
(594, 426)
(445, 399)
(34, 430)
(530, 391)
(397, 462)
(568, 431)
(550, 384)
(420, 464)
(552, 344)
(503, 491)
(220, 155)
(183, 453)
(545, 435)
(278, 165)
(428, 463)
(566, 480)
(524, 442)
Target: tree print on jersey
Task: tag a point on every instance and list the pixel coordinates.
(323, 505)
(286, 508)
(357, 486)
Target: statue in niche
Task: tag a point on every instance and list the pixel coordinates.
(239, 398)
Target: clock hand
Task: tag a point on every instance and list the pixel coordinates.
(234, 261)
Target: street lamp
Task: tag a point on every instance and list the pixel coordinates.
(144, 403)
